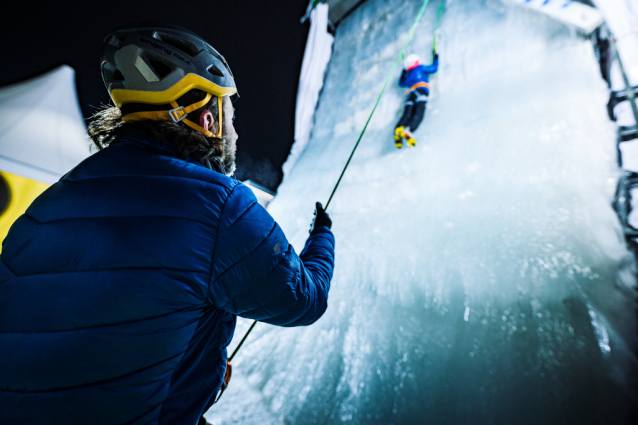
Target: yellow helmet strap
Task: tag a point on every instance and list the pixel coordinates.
(178, 113)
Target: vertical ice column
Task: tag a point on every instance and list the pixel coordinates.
(313, 68)
(479, 277)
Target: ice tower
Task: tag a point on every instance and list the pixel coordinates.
(481, 277)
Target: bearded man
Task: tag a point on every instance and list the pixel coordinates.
(120, 285)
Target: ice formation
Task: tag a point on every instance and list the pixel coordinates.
(481, 277)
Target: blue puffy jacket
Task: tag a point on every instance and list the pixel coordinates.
(418, 74)
(120, 286)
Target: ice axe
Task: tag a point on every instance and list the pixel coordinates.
(436, 29)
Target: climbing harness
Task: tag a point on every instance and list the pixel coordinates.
(416, 86)
(396, 63)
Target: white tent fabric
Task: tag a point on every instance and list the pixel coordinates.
(313, 68)
(42, 131)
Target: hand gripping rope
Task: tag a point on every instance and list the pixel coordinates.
(394, 67)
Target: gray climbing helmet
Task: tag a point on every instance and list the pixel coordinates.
(156, 64)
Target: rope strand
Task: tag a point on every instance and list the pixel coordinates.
(242, 340)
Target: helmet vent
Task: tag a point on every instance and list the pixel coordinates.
(147, 72)
(215, 71)
(161, 69)
(220, 57)
(117, 76)
(178, 43)
(110, 74)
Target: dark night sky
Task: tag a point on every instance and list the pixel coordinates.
(263, 43)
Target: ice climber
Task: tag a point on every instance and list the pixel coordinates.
(120, 285)
(415, 77)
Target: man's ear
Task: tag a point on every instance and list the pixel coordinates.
(208, 121)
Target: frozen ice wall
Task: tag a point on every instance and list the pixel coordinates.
(480, 276)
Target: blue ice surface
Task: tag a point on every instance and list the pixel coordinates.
(480, 277)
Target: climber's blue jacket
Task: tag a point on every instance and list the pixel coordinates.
(418, 77)
(120, 286)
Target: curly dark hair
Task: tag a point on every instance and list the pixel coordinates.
(214, 153)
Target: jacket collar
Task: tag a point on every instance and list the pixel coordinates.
(147, 140)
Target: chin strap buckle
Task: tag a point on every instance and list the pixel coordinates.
(177, 114)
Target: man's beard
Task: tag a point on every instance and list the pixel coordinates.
(228, 163)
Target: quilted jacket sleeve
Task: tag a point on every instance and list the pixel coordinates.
(402, 82)
(432, 68)
(256, 273)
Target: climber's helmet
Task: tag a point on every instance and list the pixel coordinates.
(411, 61)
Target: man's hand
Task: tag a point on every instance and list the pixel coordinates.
(321, 218)
(436, 55)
